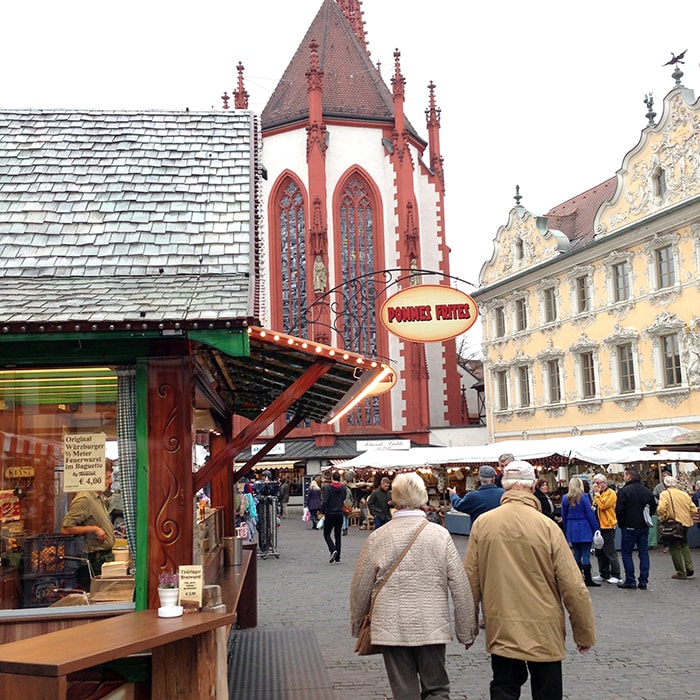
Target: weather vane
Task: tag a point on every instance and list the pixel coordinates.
(675, 61)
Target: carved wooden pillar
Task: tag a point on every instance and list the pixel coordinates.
(170, 491)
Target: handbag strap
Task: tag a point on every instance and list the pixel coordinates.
(673, 508)
(396, 563)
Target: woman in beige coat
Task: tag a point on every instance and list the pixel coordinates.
(411, 616)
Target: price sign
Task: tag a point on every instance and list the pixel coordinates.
(84, 465)
(191, 582)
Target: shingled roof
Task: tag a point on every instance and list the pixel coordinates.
(353, 88)
(574, 218)
(110, 215)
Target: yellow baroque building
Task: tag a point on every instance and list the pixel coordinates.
(591, 313)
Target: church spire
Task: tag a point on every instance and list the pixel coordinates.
(240, 96)
(432, 118)
(352, 9)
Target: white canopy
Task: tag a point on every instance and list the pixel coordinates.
(603, 448)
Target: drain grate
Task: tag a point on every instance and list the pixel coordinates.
(276, 665)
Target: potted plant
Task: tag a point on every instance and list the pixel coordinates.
(168, 588)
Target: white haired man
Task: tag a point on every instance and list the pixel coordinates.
(605, 500)
(516, 556)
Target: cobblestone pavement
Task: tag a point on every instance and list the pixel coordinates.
(301, 589)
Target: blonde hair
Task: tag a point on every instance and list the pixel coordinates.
(314, 486)
(575, 490)
(408, 491)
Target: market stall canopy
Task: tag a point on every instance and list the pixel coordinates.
(686, 442)
(600, 449)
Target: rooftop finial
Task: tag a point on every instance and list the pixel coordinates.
(518, 196)
(240, 96)
(649, 102)
(675, 60)
(225, 99)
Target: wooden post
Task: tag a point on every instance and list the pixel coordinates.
(248, 602)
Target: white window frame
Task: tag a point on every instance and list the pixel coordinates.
(618, 350)
(548, 380)
(550, 304)
(500, 383)
(521, 319)
(524, 387)
(583, 370)
(499, 321)
(662, 356)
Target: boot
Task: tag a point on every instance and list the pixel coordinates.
(586, 568)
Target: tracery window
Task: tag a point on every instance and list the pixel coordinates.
(292, 227)
(357, 246)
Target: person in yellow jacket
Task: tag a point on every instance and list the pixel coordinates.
(604, 501)
(675, 504)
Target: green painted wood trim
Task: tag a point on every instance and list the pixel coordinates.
(141, 595)
(235, 342)
(86, 350)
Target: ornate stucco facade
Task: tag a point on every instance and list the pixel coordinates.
(591, 312)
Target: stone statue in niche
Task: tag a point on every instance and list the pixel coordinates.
(690, 353)
(320, 275)
(414, 275)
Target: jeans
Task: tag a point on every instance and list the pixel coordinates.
(509, 675)
(582, 552)
(630, 537)
(378, 522)
(333, 523)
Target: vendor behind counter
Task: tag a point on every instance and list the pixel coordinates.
(88, 515)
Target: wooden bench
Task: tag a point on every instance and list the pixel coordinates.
(183, 651)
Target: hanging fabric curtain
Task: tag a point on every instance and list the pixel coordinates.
(126, 442)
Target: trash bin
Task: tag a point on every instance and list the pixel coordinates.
(233, 551)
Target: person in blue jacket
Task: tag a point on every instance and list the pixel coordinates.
(485, 498)
(580, 524)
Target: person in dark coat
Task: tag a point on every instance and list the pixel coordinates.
(632, 499)
(332, 499)
(485, 498)
(313, 503)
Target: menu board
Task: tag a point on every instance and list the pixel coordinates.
(84, 462)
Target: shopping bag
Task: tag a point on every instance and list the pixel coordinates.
(598, 540)
(306, 516)
(321, 523)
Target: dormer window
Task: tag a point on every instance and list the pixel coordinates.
(659, 182)
(519, 249)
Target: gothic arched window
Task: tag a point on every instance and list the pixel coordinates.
(358, 253)
(292, 230)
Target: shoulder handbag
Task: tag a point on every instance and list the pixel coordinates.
(671, 529)
(364, 646)
(347, 503)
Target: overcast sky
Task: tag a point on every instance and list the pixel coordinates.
(544, 94)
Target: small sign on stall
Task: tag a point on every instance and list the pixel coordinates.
(191, 583)
(84, 462)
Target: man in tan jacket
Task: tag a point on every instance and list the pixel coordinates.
(521, 569)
